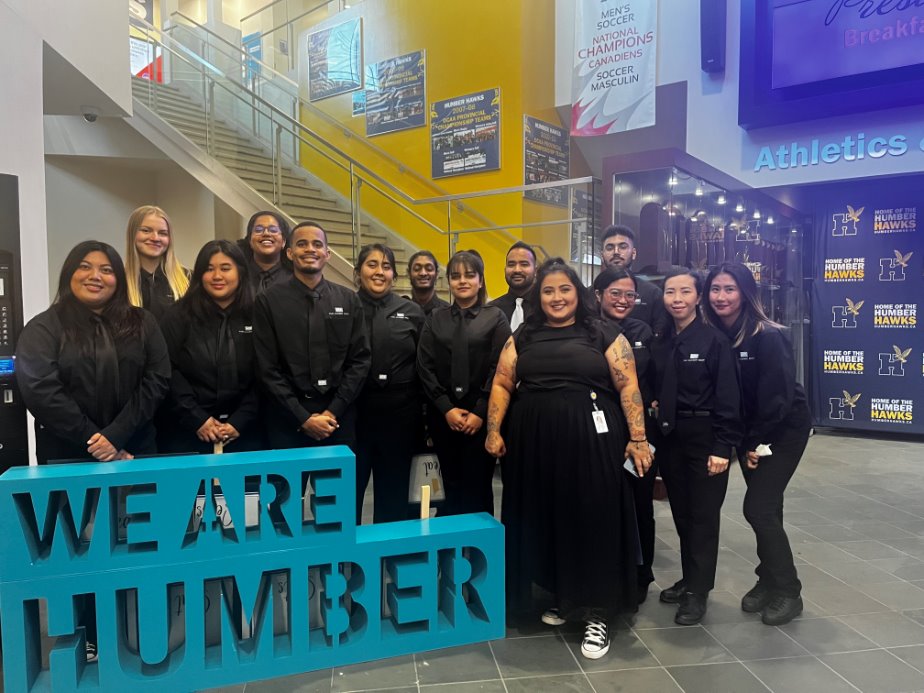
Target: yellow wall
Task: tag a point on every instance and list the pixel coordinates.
(471, 45)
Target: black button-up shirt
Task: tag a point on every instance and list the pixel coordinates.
(649, 307)
(508, 303)
(488, 331)
(156, 294)
(405, 320)
(281, 344)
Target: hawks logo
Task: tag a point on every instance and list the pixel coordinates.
(846, 316)
(842, 407)
(892, 269)
(893, 364)
(846, 224)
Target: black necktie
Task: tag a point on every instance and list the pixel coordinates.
(226, 366)
(107, 373)
(459, 371)
(667, 397)
(381, 347)
(318, 352)
(266, 278)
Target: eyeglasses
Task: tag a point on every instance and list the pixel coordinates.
(617, 294)
(267, 229)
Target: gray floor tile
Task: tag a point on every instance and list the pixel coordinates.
(654, 614)
(913, 655)
(906, 568)
(725, 607)
(876, 671)
(821, 553)
(754, 640)
(239, 688)
(312, 682)
(684, 645)
(550, 684)
(859, 573)
(868, 549)
(833, 532)
(627, 651)
(916, 615)
(385, 673)
(468, 687)
(534, 657)
(633, 681)
(717, 677)
(455, 664)
(887, 630)
(826, 635)
(897, 595)
(798, 674)
(839, 600)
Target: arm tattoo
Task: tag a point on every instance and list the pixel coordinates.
(632, 407)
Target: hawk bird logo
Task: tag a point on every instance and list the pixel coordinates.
(903, 259)
(854, 308)
(854, 214)
(901, 355)
(851, 400)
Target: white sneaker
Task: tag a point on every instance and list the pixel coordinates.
(596, 641)
(552, 618)
(92, 654)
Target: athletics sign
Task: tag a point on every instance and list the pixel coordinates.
(212, 570)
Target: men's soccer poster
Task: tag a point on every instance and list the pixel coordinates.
(465, 134)
(867, 365)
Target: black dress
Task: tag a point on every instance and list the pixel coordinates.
(567, 505)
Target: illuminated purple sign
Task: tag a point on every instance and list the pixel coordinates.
(815, 40)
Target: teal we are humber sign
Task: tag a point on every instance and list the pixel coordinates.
(218, 569)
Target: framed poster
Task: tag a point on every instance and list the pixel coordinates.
(335, 60)
(546, 157)
(396, 94)
(465, 134)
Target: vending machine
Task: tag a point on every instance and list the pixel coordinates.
(14, 446)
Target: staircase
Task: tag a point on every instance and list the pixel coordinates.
(245, 156)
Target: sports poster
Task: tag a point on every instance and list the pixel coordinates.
(546, 156)
(335, 60)
(867, 360)
(396, 94)
(465, 134)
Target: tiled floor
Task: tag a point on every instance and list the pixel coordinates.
(855, 512)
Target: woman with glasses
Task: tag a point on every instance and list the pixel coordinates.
(616, 291)
(209, 334)
(156, 279)
(263, 246)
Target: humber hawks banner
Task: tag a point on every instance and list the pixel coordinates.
(615, 60)
(868, 346)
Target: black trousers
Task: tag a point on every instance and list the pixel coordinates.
(763, 509)
(643, 490)
(389, 430)
(467, 468)
(696, 498)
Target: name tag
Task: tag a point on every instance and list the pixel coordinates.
(693, 357)
(638, 345)
(600, 422)
(383, 377)
(338, 309)
(743, 354)
(400, 316)
(322, 383)
(247, 329)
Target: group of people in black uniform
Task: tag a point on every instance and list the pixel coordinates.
(582, 393)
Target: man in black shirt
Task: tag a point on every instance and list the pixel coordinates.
(520, 274)
(312, 349)
(422, 270)
(619, 251)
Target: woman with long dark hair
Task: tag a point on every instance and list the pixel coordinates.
(567, 507)
(616, 290)
(388, 409)
(699, 423)
(155, 277)
(777, 423)
(456, 357)
(209, 334)
(92, 368)
(264, 246)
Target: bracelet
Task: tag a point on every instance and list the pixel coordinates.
(643, 440)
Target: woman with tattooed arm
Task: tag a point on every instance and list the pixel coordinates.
(567, 505)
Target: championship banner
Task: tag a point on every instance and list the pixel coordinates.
(867, 367)
(546, 157)
(335, 60)
(395, 94)
(465, 134)
(615, 62)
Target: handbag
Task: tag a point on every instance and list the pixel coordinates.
(425, 471)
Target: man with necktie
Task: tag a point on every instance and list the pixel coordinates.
(312, 349)
(520, 273)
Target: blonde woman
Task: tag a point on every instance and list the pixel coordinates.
(155, 277)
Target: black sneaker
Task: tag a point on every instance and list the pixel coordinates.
(596, 642)
(781, 610)
(756, 599)
(673, 593)
(692, 609)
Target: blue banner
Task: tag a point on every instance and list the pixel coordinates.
(465, 134)
(396, 94)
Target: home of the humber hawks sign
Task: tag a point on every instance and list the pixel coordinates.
(219, 569)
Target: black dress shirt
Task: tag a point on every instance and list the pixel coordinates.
(156, 294)
(649, 308)
(488, 331)
(639, 336)
(58, 381)
(396, 357)
(431, 305)
(213, 373)
(508, 303)
(707, 380)
(281, 344)
(772, 401)
(261, 279)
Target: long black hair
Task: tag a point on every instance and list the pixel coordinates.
(197, 301)
(123, 319)
(585, 314)
(470, 260)
(753, 319)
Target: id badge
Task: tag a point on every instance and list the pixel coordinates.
(600, 422)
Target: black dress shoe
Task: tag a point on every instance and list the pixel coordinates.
(692, 609)
(643, 590)
(672, 594)
(756, 599)
(781, 610)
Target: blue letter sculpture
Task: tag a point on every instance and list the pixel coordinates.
(219, 569)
